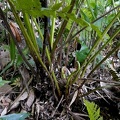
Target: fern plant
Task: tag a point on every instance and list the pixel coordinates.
(93, 110)
(55, 46)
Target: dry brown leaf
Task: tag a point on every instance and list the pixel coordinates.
(5, 89)
(12, 29)
(4, 104)
(25, 75)
(30, 98)
(15, 31)
(74, 98)
(23, 96)
(4, 58)
(15, 105)
(17, 102)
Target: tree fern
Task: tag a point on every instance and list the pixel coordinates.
(93, 110)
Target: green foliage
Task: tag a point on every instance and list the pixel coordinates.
(27, 6)
(93, 110)
(2, 82)
(19, 116)
(39, 41)
(35, 9)
(82, 53)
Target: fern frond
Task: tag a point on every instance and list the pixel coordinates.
(93, 110)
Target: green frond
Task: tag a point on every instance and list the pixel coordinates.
(93, 110)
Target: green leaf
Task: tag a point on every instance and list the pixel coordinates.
(39, 41)
(7, 67)
(35, 13)
(99, 33)
(20, 116)
(2, 82)
(56, 6)
(48, 12)
(99, 23)
(26, 5)
(79, 21)
(82, 53)
(96, 9)
(12, 50)
(85, 16)
(93, 110)
(69, 23)
(87, 13)
(62, 15)
(33, 8)
(19, 59)
(65, 9)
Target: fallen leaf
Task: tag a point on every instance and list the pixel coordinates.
(25, 75)
(18, 99)
(5, 89)
(4, 58)
(30, 98)
(15, 105)
(74, 98)
(23, 96)
(4, 112)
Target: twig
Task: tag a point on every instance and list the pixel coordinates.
(57, 106)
